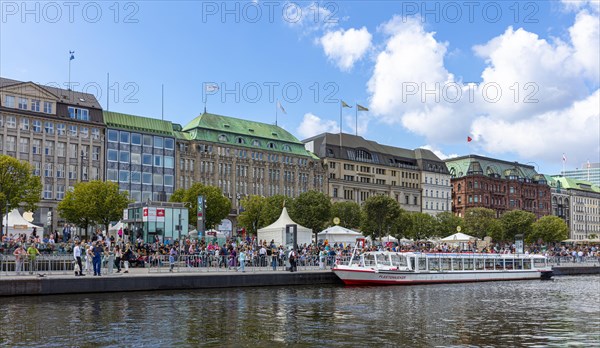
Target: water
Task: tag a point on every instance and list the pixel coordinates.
(562, 312)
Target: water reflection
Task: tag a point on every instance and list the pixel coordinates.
(529, 313)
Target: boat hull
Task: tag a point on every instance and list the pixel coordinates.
(371, 277)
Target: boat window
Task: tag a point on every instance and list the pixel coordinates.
(457, 264)
(539, 262)
(434, 264)
(508, 264)
(422, 264)
(357, 260)
(518, 264)
(468, 264)
(369, 260)
(382, 260)
(411, 260)
(399, 260)
(489, 263)
(479, 263)
(527, 264)
(445, 264)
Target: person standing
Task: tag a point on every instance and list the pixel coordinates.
(97, 259)
(242, 258)
(274, 258)
(88, 258)
(292, 258)
(118, 257)
(172, 255)
(127, 256)
(33, 252)
(77, 257)
(19, 256)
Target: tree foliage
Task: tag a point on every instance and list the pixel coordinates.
(312, 209)
(548, 229)
(517, 222)
(422, 226)
(481, 222)
(447, 223)
(218, 207)
(76, 208)
(18, 185)
(379, 216)
(253, 217)
(347, 212)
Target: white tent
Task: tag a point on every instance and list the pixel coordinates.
(115, 228)
(458, 238)
(339, 234)
(385, 239)
(17, 224)
(276, 231)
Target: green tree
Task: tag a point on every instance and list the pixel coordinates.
(517, 222)
(347, 212)
(218, 207)
(312, 209)
(18, 185)
(549, 229)
(77, 208)
(447, 223)
(273, 207)
(422, 226)
(379, 216)
(252, 218)
(107, 202)
(479, 222)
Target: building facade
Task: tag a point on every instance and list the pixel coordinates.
(578, 203)
(59, 132)
(479, 181)
(244, 158)
(140, 156)
(435, 183)
(358, 169)
(588, 172)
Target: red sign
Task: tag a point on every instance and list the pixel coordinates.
(145, 211)
(160, 212)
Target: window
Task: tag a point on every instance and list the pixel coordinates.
(60, 170)
(112, 155)
(78, 113)
(11, 121)
(123, 176)
(48, 170)
(169, 143)
(48, 148)
(271, 146)
(96, 153)
(72, 131)
(24, 124)
(48, 191)
(169, 162)
(124, 156)
(147, 140)
(136, 139)
(35, 105)
(147, 159)
(136, 177)
(223, 137)
(111, 175)
(9, 101)
(158, 160)
(136, 158)
(23, 103)
(37, 126)
(60, 192)
(61, 129)
(169, 180)
(113, 136)
(61, 149)
(158, 142)
(147, 178)
(158, 179)
(49, 127)
(48, 107)
(286, 148)
(36, 147)
(256, 143)
(124, 137)
(84, 131)
(24, 145)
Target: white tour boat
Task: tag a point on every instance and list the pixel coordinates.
(403, 268)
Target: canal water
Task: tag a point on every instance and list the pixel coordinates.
(561, 312)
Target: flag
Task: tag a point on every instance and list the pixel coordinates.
(211, 87)
(72, 53)
(564, 158)
(469, 139)
(361, 108)
(281, 107)
(344, 105)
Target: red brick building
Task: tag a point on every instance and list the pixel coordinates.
(483, 182)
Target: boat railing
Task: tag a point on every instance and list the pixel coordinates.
(574, 261)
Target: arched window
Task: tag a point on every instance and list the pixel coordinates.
(256, 143)
(223, 137)
(271, 145)
(240, 140)
(286, 148)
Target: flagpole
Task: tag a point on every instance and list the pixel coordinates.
(69, 88)
(162, 101)
(356, 117)
(107, 91)
(564, 161)
(340, 128)
(276, 111)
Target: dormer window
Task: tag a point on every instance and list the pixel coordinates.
(78, 114)
(256, 143)
(226, 125)
(251, 130)
(223, 138)
(286, 148)
(274, 134)
(271, 145)
(240, 140)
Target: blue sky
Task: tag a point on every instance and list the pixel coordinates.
(371, 52)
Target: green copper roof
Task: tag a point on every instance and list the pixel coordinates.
(137, 123)
(234, 131)
(474, 164)
(574, 184)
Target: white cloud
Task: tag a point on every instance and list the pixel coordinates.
(308, 19)
(313, 125)
(549, 90)
(577, 5)
(346, 47)
(438, 152)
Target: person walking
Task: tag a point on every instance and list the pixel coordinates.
(77, 257)
(274, 258)
(172, 255)
(98, 250)
(127, 256)
(20, 254)
(33, 252)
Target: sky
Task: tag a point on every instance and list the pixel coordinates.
(519, 78)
